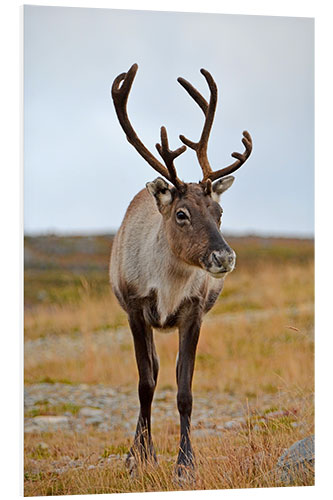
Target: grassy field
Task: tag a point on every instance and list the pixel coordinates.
(256, 348)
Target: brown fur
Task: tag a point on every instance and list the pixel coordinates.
(162, 273)
(182, 252)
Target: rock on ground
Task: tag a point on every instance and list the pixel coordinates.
(297, 461)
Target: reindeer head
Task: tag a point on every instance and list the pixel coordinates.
(191, 211)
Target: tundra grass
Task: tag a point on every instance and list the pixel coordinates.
(257, 341)
(242, 458)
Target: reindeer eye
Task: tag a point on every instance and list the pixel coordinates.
(181, 215)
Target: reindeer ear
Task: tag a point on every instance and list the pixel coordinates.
(162, 192)
(220, 186)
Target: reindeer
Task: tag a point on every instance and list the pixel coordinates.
(169, 261)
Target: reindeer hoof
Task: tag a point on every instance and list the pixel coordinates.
(184, 476)
(136, 462)
(132, 466)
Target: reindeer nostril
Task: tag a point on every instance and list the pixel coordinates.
(223, 260)
(216, 260)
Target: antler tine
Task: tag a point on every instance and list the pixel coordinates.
(199, 99)
(241, 158)
(168, 157)
(120, 95)
(200, 147)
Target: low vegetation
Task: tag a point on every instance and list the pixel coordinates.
(256, 345)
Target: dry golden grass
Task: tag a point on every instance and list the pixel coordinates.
(91, 313)
(257, 341)
(236, 459)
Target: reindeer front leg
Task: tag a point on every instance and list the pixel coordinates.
(147, 362)
(188, 339)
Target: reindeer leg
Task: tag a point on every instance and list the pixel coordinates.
(147, 362)
(188, 339)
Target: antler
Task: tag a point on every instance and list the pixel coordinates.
(120, 95)
(168, 157)
(200, 147)
(241, 158)
(209, 111)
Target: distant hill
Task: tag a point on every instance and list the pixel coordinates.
(76, 253)
(79, 253)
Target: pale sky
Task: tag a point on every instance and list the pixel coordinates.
(80, 172)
